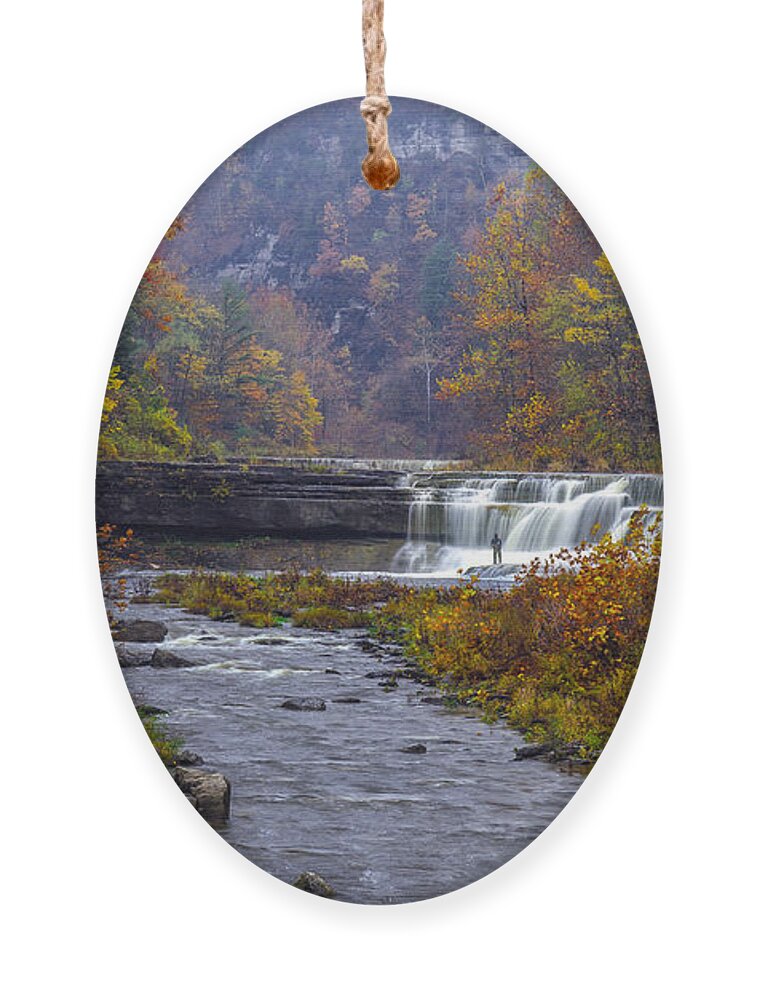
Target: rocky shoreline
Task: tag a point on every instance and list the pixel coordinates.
(137, 644)
(553, 751)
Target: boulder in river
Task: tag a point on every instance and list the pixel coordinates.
(163, 657)
(208, 791)
(346, 701)
(564, 752)
(533, 750)
(187, 758)
(414, 748)
(140, 631)
(304, 704)
(147, 711)
(129, 657)
(313, 883)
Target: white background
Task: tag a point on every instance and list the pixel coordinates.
(644, 114)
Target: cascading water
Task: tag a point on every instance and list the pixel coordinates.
(452, 519)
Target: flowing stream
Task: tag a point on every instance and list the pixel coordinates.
(332, 791)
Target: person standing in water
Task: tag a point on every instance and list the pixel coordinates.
(497, 549)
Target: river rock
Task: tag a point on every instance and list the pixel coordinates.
(209, 792)
(147, 711)
(140, 631)
(168, 658)
(128, 657)
(532, 751)
(186, 758)
(346, 701)
(313, 883)
(304, 704)
(414, 748)
(331, 670)
(411, 674)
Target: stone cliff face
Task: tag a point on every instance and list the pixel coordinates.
(262, 208)
(196, 500)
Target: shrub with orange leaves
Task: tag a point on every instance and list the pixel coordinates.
(557, 653)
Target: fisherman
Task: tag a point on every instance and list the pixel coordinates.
(497, 549)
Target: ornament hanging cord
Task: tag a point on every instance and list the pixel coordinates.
(379, 166)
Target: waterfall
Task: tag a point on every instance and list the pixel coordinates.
(452, 517)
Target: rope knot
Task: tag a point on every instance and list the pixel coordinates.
(375, 104)
(379, 167)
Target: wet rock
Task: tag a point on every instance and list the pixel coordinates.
(167, 658)
(432, 700)
(209, 792)
(346, 701)
(270, 640)
(313, 883)
(381, 675)
(140, 631)
(146, 711)
(330, 670)
(128, 657)
(304, 704)
(388, 685)
(411, 674)
(414, 748)
(532, 751)
(186, 758)
(564, 753)
(368, 645)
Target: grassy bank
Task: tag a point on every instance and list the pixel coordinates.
(556, 655)
(166, 747)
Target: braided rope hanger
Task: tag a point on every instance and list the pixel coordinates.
(379, 166)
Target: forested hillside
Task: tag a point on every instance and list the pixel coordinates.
(466, 313)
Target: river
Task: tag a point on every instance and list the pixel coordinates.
(332, 791)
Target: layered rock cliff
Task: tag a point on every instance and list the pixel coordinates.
(196, 500)
(258, 217)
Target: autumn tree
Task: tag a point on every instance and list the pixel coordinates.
(551, 367)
